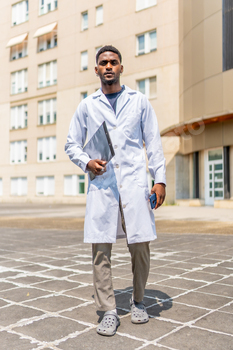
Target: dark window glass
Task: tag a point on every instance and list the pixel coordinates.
(227, 34)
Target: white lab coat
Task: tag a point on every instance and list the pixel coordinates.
(134, 122)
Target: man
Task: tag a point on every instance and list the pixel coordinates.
(117, 199)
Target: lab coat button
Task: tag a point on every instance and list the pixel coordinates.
(117, 165)
(120, 186)
(114, 127)
(124, 205)
(115, 146)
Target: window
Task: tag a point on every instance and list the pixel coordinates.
(19, 82)
(74, 185)
(148, 87)
(18, 51)
(47, 111)
(45, 186)
(18, 152)
(83, 95)
(146, 42)
(46, 6)
(99, 15)
(47, 74)
(19, 117)
(227, 20)
(47, 41)
(19, 186)
(84, 60)
(143, 4)
(0, 187)
(46, 149)
(19, 12)
(84, 24)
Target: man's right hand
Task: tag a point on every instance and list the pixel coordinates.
(97, 166)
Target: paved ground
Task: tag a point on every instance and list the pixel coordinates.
(46, 295)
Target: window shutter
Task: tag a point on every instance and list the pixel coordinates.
(14, 186)
(99, 15)
(68, 185)
(24, 186)
(153, 41)
(51, 186)
(84, 60)
(39, 185)
(153, 87)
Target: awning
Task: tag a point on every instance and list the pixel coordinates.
(195, 124)
(17, 40)
(45, 30)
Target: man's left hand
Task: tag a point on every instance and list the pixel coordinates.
(160, 191)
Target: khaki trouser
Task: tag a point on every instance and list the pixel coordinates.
(102, 275)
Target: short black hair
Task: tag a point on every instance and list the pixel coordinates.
(108, 48)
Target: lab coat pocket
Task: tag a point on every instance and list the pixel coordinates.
(132, 125)
(141, 174)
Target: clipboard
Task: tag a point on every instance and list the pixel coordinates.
(100, 146)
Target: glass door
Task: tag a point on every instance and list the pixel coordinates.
(214, 178)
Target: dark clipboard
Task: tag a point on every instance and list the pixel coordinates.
(100, 146)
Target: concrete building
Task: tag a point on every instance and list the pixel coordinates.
(172, 51)
(203, 167)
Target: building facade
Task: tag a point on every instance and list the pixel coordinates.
(177, 52)
(48, 50)
(203, 167)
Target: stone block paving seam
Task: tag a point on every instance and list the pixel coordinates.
(46, 294)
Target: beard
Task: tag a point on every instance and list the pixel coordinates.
(111, 81)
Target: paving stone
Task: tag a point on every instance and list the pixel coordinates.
(13, 341)
(2, 303)
(218, 321)
(60, 263)
(8, 274)
(86, 313)
(12, 263)
(155, 277)
(32, 268)
(185, 265)
(22, 294)
(54, 303)
(50, 329)
(57, 273)
(228, 308)
(151, 330)
(57, 285)
(92, 340)
(218, 289)
(202, 261)
(82, 278)
(202, 276)
(29, 279)
(203, 300)
(181, 283)
(81, 267)
(193, 338)
(121, 271)
(14, 313)
(86, 293)
(175, 311)
(218, 269)
(169, 271)
(228, 280)
(6, 285)
(162, 292)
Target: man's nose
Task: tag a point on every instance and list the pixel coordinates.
(108, 66)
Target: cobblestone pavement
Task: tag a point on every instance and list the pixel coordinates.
(46, 294)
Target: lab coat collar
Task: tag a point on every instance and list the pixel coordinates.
(123, 99)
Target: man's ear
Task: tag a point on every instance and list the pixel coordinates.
(122, 68)
(96, 70)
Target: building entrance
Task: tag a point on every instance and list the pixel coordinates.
(214, 176)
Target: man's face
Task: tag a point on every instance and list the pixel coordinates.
(109, 68)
